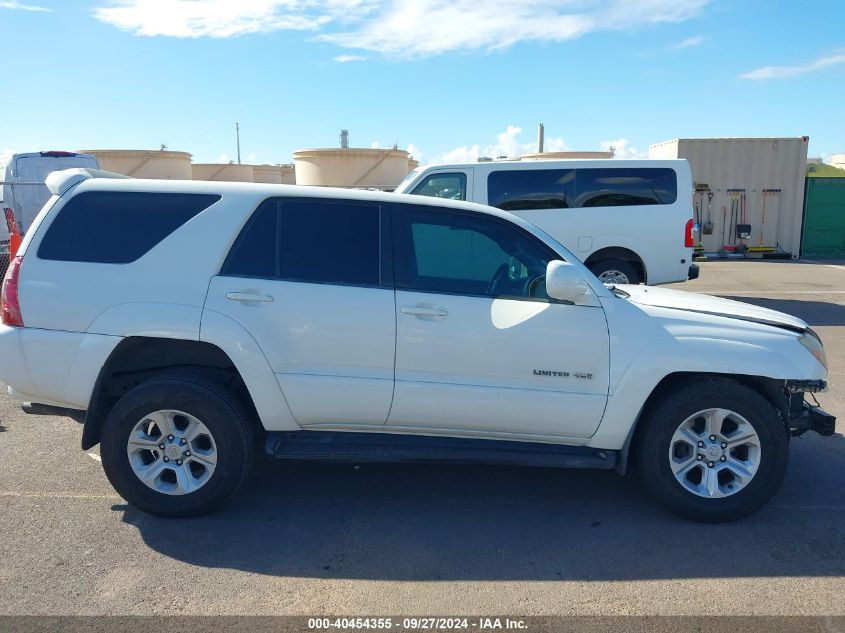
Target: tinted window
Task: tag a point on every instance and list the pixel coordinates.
(117, 228)
(522, 189)
(620, 187)
(452, 186)
(318, 241)
(466, 254)
(328, 242)
(254, 253)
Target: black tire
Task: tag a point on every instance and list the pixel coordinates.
(659, 423)
(625, 268)
(223, 415)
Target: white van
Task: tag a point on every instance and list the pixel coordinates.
(23, 190)
(629, 221)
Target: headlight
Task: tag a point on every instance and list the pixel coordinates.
(813, 343)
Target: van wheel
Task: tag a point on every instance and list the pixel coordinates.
(176, 446)
(712, 450)
(615, 271)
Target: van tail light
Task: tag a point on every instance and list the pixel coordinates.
(10, 219)
(9, 301)
(688, 239)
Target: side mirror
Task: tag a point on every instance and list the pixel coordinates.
(565, 282)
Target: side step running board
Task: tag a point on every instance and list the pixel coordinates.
(389, 447)
(35, 408)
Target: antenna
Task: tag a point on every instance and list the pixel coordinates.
(238, 137)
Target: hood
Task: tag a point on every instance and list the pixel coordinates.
(705, 304)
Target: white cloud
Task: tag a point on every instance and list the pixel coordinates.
(20, 6)
(622, 148)
(375, 145)
(222, 18)
(415, 152)
(689, 42)
(224, 158)
(345, 59)
(397, 28)
(780, 72)
(409, 28)
(508, 143)
(5, 156)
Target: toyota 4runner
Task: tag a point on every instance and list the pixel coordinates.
(182, 322)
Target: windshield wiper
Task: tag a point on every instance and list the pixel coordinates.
(618, 292)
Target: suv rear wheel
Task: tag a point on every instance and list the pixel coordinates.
(712, 450)
(176, 446)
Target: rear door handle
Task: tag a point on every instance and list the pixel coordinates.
(422, 311)
(249, 296)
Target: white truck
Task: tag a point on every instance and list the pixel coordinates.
(23, 192)
(182, 322)
(629, 221)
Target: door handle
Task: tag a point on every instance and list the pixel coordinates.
(249, 297)
(422, 311)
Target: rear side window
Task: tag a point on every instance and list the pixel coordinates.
(316, 241)
(254, 254)
(522, 189)
(327, 242)
(624, 187)
(109, 227)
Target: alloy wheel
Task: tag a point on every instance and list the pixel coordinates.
(172, 452)
(715, 453)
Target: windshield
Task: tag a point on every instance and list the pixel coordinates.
(407, 181)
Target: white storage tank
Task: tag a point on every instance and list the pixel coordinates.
(222, 172)
(837, 160)
(274, 174)
(163, 164)
(351, 167)
(771, 171)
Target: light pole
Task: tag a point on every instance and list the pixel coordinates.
(238, 137)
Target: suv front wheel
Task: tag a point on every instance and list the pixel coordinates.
(712, 450)
(176, 446)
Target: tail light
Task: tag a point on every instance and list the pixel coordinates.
(9, 303)
(10, 219)
(688, 239)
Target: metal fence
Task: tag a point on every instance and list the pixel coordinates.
(4, 257)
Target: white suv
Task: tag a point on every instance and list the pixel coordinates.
(183, 321)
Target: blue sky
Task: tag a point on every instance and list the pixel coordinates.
(452, 79)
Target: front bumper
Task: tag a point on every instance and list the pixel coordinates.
(806, 386)
(812, 418)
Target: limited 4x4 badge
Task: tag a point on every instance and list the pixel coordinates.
(563, 374)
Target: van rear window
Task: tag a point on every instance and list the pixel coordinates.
(109, 227)
(524, 189)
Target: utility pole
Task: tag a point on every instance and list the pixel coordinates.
(238, 136)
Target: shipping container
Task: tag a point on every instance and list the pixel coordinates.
(769, 171)
(824, 217)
